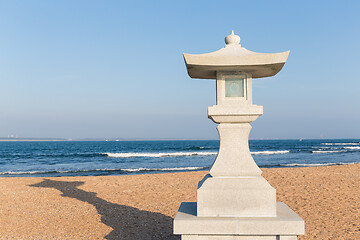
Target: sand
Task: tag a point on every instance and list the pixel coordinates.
(143, 206)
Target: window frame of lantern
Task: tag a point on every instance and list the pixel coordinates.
(221, 98)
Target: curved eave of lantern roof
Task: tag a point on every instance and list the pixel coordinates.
(233, 57)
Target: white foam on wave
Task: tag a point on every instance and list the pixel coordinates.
(20, 173)
(51, 171)
(157, 155)
(329, 151)
(314, 164)
(323, 147)
(182, 154)
(270, 152)
(351, 148)
(340, 143)
(104, 169)
(161, 169)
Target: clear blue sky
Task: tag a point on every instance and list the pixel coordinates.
(104, 69)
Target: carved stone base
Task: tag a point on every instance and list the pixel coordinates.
(209, 237)
(285, 226)
(235, 197)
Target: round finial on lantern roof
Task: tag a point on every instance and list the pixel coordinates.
(232, 39)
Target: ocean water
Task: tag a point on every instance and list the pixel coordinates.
(91, 158)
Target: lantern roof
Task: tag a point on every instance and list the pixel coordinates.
(234, 58)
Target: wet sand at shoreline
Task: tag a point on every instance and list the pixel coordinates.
(143, 206)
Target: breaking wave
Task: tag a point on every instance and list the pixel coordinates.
(120, 170)
(181, 154)
(352, 148)
(329, 151)
(314, 164)
(158, 155)
(270, 152)
(341, 143)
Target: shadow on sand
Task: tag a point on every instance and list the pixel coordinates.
(126, 222)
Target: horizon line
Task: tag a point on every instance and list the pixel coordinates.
(13, 139)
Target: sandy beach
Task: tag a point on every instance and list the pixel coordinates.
(143, 206)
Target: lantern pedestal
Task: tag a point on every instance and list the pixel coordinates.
(234, 202)
(285, 226)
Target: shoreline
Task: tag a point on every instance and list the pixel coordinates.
(135, 172)
(143, 206)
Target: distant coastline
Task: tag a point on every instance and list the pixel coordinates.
(31, 139)
(4, 139)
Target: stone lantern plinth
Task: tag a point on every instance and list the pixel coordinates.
(234, 201)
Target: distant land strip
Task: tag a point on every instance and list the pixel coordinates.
(4, 139)
(32, 139)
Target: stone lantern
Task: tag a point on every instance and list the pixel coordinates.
(234, 201)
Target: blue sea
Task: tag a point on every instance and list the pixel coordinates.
(93, 158)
